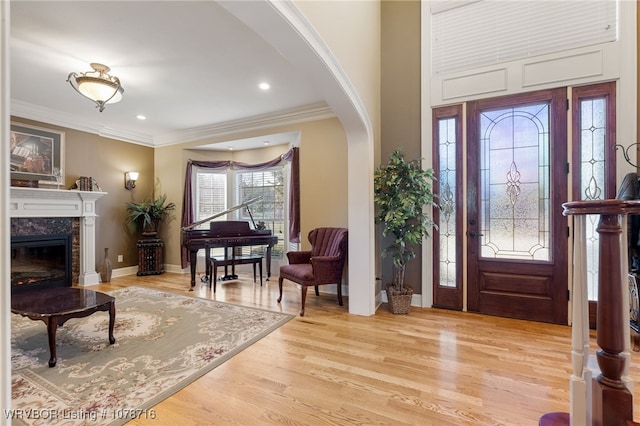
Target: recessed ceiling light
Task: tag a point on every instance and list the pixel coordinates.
(141, 117)
(264, 86)
(230, 148)
(266, 142)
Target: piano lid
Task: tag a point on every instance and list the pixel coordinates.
(234, 208)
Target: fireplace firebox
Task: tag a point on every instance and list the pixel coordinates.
(40, 261)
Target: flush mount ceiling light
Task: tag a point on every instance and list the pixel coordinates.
(97, 85)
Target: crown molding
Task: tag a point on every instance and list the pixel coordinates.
(62, 119)
(303, 114)
(319, 111)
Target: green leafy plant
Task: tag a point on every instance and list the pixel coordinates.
(402, 190)
(149, 214)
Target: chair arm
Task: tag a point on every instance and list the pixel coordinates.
(327, 269)
(296, 257)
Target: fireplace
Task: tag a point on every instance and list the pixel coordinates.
(39, 211)
(40, 261)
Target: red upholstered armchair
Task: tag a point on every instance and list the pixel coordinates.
(323, 264)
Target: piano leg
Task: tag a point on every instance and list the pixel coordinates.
(193, 259)
(207, 265)
(268, 261)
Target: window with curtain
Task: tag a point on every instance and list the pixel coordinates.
(277, 181)
(216, 191)
(270, 186)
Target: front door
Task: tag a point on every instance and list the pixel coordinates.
(517, 182)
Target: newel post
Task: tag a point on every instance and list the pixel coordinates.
(612, 401)
(604, 400)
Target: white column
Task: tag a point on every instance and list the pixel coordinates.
(580, 381)
(88, 274)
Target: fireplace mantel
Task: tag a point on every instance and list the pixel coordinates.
(40, 202)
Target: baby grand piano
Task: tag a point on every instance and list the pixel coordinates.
(226, 234)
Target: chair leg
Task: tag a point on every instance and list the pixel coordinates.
(260, 264)
(340, 294)
(317, 291)
(280, 285)
(304, 298)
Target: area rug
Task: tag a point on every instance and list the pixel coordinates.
(164, 341)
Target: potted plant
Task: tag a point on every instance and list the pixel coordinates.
(402, 190)
(149, 214)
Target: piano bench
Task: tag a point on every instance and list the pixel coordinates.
(214, 262)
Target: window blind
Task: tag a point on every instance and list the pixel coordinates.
(211, 195)
(471, 34)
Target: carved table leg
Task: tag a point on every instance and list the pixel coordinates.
(52, 327)
(112, 321)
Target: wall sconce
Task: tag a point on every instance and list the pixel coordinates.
(130, 179)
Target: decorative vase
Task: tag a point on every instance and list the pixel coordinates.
(106, 267)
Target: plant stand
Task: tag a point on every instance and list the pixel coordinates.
(399, 300)
(150, 257)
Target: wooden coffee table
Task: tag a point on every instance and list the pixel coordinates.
(54, 306)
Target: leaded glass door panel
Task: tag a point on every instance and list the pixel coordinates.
(594, 165)
(447, 137)
(517, 182)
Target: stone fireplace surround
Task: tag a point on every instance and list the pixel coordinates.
(55, 203)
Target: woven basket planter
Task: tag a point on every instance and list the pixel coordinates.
(399, 300)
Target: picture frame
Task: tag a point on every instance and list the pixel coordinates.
(37, 155)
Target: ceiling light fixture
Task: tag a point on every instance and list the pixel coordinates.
(97, 85)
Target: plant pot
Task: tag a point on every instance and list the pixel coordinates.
(399, 300)
(151, 230)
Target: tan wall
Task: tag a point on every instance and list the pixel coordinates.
(400, 97)
(106, 160)
(323, 177)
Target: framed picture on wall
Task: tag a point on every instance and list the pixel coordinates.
(37, 155)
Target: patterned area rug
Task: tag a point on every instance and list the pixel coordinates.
(164, 341)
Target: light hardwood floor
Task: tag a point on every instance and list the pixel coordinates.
(431, 367)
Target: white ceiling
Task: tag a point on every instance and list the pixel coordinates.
(190, 67)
